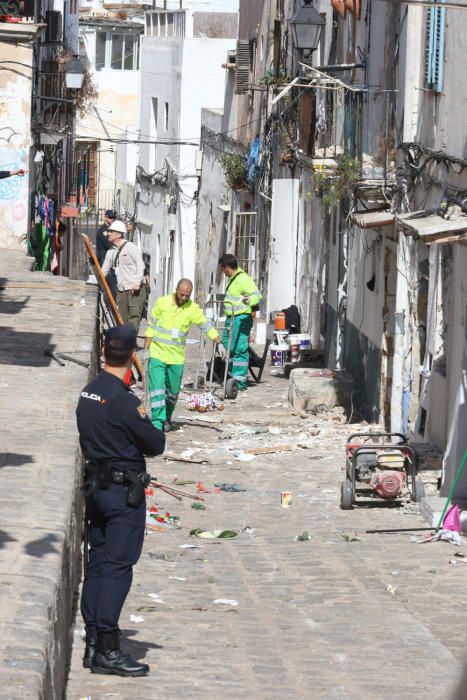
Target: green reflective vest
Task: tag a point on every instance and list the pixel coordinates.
(168, 327)
(238, 286)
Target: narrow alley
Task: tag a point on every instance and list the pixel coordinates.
(342, 615)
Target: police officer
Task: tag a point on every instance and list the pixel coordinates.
(115, 434)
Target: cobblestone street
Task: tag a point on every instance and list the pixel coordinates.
(378, 617)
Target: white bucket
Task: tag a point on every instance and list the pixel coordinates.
(278, 355)
(294, 343)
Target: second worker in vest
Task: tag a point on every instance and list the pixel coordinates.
(241, 298)
(166, 335)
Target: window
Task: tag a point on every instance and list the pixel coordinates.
(100, 50)
(166, 116)
(119, 51)
(434, 48)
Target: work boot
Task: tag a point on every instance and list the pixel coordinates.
(111, 661)
(91, 639)
(167, 426)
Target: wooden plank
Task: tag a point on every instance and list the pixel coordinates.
(105, 288)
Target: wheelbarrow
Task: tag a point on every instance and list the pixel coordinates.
(380, 469)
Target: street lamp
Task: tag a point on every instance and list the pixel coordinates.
(74, 74)
(307, 25)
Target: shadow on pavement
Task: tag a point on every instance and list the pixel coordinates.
(24, 349)
(43, 546)
(13, 459)
(136, 648)
(5, 538)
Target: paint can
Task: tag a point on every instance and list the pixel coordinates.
(286, 499)
(280, 337)
(278, 355)
(305, 343)
(294, 343)
(279, 321)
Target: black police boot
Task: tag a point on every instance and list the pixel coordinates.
(91, 639)
(110, 660)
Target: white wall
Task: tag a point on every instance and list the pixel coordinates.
(282, 261)
(203, 85)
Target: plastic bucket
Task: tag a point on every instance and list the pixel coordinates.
(278, 355)
(294, 343)
(280, 337)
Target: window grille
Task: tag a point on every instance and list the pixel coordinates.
(246, 242)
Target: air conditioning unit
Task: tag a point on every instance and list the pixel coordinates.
(54, 31)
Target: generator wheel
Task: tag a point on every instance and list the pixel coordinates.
(419, 491)
(231, 389)
(346, 495)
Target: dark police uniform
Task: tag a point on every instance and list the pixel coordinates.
(114, 430)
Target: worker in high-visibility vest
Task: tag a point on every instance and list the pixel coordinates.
(166, 334)
(241, 300)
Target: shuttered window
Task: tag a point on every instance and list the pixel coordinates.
(242, 73)
(434, 48)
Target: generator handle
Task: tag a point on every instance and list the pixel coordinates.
(371, 435)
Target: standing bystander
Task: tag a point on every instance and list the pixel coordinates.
(127, 262)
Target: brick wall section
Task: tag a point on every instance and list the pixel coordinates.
(40, 502)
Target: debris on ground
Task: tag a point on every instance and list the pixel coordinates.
(234, 488)
(225, 601)
(198, 506)
(391, 589)
(213, 534)
(136, 618)
(304, 537)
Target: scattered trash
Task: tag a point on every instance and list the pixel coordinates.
(286, 499)
(187, 453)
(181, 458)
(189, 546)
(269, 450)
(234, 488)
(177, 578)
(156, 598)
(349, 538)
(198, 506)
(225, 601)
(441, 536)
(247, 530)
(213, 534)
(242, 456)
(211, 579)
(204, 402)
(394, 573)
(136, 618)
(155, 555)
(161, 517)
(180, 482)
(391, 589)
(304, 537)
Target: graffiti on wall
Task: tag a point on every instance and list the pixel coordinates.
(15, 138)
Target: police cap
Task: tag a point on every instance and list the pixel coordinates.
(111, 214)
(121, 338)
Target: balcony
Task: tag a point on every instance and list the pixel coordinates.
(56, 114)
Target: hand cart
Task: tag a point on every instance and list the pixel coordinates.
(217, 369)
(379, 468)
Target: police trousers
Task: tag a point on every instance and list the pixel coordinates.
(238, 362)
(116, 540)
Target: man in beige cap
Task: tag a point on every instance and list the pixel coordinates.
(125, 259)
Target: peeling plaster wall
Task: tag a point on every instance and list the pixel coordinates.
(15, 141)
(213, 222)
